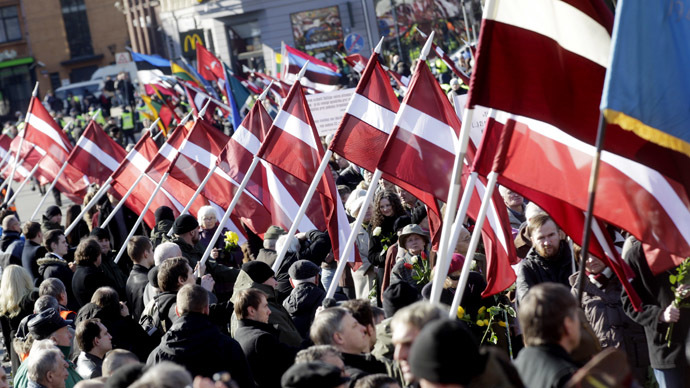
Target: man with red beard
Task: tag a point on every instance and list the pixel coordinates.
(549, 260)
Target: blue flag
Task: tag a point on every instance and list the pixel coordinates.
(647, 87)
(235, 113)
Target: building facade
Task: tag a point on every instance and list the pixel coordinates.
(17, 63)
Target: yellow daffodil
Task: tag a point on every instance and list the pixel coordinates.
(461, 312)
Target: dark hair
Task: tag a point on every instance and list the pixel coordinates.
(542, 312)
(392, 197)
(361, 311)
(87, 331)
(31, 229)
(87, 251)
(191, 298)
(170, 271)
(247, 298)
(106, 297)
(53, 287)
(537, 222)
(379, 380)
(137, 246)
(52, 237)
(100, 233)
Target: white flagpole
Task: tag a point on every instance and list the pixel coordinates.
(4, 159)
(21, 142)
(122, 201)
(141, 217)
(465, 273)
(196, 193)
(92, 202)
(4, 184)
(21, 186)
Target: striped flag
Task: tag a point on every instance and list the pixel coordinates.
(43, 131)
(320, 75)
(96, 155)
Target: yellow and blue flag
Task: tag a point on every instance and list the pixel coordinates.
(647, 87)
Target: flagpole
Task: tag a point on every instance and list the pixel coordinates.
(21, 186)
(141, 216)
(350, 244)
(4, 159)
(474, 241)
(196, 194)
(62, 169)
(4, 184)
(593, 181)
(122, 201)
(34, 95)
(88, 206)
(228, 211)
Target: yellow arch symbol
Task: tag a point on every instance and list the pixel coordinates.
(192, 40)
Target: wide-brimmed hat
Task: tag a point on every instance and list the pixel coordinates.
(409, 230)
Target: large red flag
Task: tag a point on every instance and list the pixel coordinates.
(96, 155)
(43, 131)
(292, 145)
(208, 65)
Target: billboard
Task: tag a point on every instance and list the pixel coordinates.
(318, 32)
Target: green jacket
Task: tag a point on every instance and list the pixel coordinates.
(21, 378)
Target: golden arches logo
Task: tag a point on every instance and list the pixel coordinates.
(193, 40)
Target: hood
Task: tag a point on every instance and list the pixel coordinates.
(304, 299)
(191, 335)
(49, 260)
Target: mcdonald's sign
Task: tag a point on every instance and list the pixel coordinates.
(189, 40)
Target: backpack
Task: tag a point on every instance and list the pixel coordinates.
(154, 320)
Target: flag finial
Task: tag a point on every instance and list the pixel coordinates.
(377, 49)
(420, 32)
(302, 71)
(265, 92)
(202, 112)
(35, 92)
(427, 46)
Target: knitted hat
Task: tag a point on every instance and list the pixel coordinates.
(274, 232)
(185, 223)
(52, 211)
(258, 271)
(303, 269)
(164, 213)
(46, 323)
(456, 263)
(313, 374)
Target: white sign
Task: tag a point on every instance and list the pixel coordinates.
(328, 109)
(121, 58)
(479, 118)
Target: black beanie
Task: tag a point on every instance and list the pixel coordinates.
(258, 271)
(397, 296)
(164, 213)
(185, 223)
(100, 233)
(53, 211)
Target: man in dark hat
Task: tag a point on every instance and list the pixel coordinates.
(314, 374)
(186, 236)
(52, 219)
(164, 222)
(306, 295)
(268, 253)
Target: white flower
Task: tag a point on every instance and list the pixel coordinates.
(377, 231)
(414, 260)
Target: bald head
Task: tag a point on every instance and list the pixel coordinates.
(11, 223)
(165, 251)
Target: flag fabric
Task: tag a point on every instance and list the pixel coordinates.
(368, 120)
(513, 35)
(232, 102)
(197, 99)
(447, 60)
(44, 132)
(292, 145)
(96, 155)
(358, 62)
(646, 88)
(208, 65)
(184, 75)
(551, 168)
(149, 67)
(417, 157)
(5, 142)
(159, 110)
(320, 75)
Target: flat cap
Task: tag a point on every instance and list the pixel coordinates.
(303, 269)
(274, 232)
(46, 323)
(313, 374)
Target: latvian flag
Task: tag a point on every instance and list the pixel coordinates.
(320, 75)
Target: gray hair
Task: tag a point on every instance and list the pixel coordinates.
(53, 287)
(206, 211)
(317, 353)
(326, 323)
(532, 210)
(164, 375)
(292, 248)
(165, 251)
(417, 314)
(46, 302)
(116, 358)
(43, 361)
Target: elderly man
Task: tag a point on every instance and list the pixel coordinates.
(549, 260)
(94, 341)
(259, 340)
(11, 233)
(515, 203)
(306, 295)
(47, 369)
(268, 253)
(336, 326)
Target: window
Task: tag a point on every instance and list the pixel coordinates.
(9, 25)
(77, 28)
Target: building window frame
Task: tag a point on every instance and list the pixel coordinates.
(10, 25)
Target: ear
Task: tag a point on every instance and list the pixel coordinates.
(337, 338)
(561, 234)
(251, 312)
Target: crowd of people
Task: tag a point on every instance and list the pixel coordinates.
(159, 317)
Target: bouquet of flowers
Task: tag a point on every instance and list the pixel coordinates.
(486, 317)
(680, 285)
(231, 241)
(421, 270)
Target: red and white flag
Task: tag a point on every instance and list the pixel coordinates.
(96, 155)
(5, 142)
(292, 145)
(545, 40)
(44, 132)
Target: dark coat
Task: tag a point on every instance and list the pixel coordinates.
(534, 269)
(349, 177)
(53, 267)
(89, 366)
(86, 280)
(159, 234)
(315, 249)
(360, 365)
(268, 358)
(136, 284)
(30, 255)
(47, 225)
(547, 366)
(377, 255)
(7, 238)
(268, 256)
(193, 253)
(197, 344)
(302, 303)
(655, 293)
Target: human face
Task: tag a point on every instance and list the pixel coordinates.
(513, 200)
(353, 336)
(403, 337)
(414, 244)
(105, 245)
(191, 279)
(263, 311)
(59, 374)
(61, 247)
(367, 215)
(571, 325)
(208, 221)
(62, 337)
(546, 240)
(594, 265)
(104, 339)
(385, 207)
(195, 236)
(56, 219)
(406, 198)
(271, 282)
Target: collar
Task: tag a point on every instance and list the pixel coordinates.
(258, 325)
(56, 255)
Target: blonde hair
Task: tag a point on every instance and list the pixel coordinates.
(15, 285)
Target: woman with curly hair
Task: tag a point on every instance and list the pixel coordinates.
(17, 297)
(387, 208)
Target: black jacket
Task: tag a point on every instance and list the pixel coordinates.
(136, 283)
(159, 234)
(547, 366)
(86, 280)
(268, 359)
(315, 249)
(7, 238)
(31, 253)
(534, 270)
(53, 267)
(360, 365)
(197, 344)
(302, 303)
